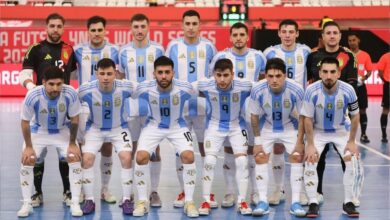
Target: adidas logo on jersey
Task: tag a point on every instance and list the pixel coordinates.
(86, 58)
(182, 56)
(43, 111)
(96, 104)
(320, 106)
(154, 102)
(47, 57)
(267, 105)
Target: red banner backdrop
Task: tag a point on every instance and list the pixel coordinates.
(15, 41)
(9, 83)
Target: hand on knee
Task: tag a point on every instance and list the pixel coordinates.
(71, 158)
(261, 157)
(296, 157)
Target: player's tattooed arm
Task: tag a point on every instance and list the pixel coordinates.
(74, 124)
(255, 125)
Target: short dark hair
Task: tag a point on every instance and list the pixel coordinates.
(163, 61)
(105, 63)
(353, 33)
(139, 17)
(330, 23)
(329, 60)
(96, 19)
(288, 22)
(53, 72)
(275, 63)
(190, 13)
(55, 16)
(238, 25)
(223, 64)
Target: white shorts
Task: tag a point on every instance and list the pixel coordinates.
(339, 140)
(119, 137)
(214, 140)
(135, 124)
(83, 117)
(40, 141)
(151, 137)
(197, 125)
(287, 138)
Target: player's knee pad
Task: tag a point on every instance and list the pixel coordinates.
(241, 163)
(210, 161)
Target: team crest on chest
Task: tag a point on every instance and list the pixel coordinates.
(117, 101)
(61, 107)
(140, 59)
(224, 99)
(164, 101)
(52, 111)
(150, 58)
(235, 97)
(240, 65)
(192, 55)
(329, 106)
(340, 104)
(299, 59)
(175, 100)
(95, 58)
(276, 104)
(251, 64)
(286, 103)
(202, 54)
(107, 103)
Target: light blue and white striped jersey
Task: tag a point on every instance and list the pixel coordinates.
(88, 57)
(329, 112)
(107, 109)
(276, 110)
(49, 116)
(166, 108)
(248, 66)
(225, 106)
(295, 61)
(191, 61)
(138, 63)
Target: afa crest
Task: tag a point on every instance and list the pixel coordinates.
(339, 104)
(202, 54)
(286, 103)
(175, 100)
(151, 58)
(299, 59)
(117, 102)
(251, 64)
(61, 107)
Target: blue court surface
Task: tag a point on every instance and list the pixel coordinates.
(375, 199)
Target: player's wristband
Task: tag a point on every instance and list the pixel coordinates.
(258, 140)
(30, 86)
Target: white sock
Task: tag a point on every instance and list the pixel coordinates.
(252, 173)
(296, 179)
(155, 170)
(140, 179)
(262, 181)
(75, 180)
(106, 169)
(208, 175)
(88, 183)
(242, 177)
(179, 172)
(127, 182)
(348, 182)
(278, 165)
(311, 181)
(189, 178)
(229, 171)
(27, 182)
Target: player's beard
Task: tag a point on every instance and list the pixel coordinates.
(54, 38)
(165, 85)
(328, 84)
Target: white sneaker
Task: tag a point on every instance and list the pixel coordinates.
(255, 198)
(25, 210)
(356, 202)
(76, 210)
(276, 197)
(303, 200)
(141, 208)
(190, 209)
(107, 196)
(244, 208)
(320, 198)
(228, 201)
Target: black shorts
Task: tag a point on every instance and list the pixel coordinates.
(362, 96)
(386, 95)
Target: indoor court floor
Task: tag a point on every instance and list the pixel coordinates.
(375, 199)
